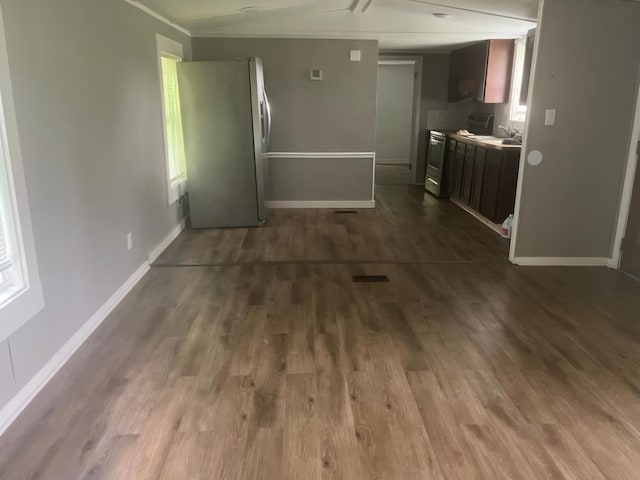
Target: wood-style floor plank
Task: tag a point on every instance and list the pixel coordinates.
(276, 365)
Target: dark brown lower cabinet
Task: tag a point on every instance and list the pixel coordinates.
(448, 174)
(458, 175)
(467, 176)
(491, 184)
(478, 178)
(485, 178)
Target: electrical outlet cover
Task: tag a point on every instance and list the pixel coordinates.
(316, 74)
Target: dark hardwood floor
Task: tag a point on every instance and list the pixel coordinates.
(407, 226)
(462, 367)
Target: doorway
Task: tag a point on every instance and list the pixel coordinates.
(397, 119)
(626, 253)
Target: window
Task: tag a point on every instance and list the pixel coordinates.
(169, 55)
(20, 289)
(521, 77)
(518, 104)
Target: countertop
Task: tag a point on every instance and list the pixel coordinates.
(489, 143)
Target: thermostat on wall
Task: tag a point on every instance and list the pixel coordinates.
(316, 74)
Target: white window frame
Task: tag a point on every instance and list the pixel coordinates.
(24, 299)
(169, 47)
(518, 112)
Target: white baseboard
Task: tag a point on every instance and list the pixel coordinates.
(19, 402)
(166, 241)
(322, 204)
(563, 261)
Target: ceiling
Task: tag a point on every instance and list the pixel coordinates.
(397, 24)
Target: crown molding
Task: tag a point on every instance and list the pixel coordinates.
(157, 16)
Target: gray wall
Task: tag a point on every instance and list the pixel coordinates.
(588, 70)
(318, 179)
(87, 99)
(336, 114)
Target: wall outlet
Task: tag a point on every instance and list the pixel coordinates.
(315, 74)
(129, 241)
(550, 117)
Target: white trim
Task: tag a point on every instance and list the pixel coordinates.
(157, 16)
(627, 187)
(26, 304)
(417, 99)
(525, 143)
(478, 216)
(562, 261)
(19, 402)
(166, 241)
(321, 204)
(397, 62)
(168, 46)
(517, 112)
(320, 154)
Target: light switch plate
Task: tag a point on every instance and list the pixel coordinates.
(550, 117)
(315, 74)
(355, 55)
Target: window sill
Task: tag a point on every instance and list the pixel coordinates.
(20, 309)
(176, 190)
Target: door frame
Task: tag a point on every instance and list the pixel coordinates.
(627, 188)
(416, 61)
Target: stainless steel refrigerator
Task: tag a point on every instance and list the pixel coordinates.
(226, 122)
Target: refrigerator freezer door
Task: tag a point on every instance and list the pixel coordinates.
(218, 117)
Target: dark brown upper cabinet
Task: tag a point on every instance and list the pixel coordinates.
(481, 72)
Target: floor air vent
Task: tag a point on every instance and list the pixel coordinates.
(345, 212)
(370, 278)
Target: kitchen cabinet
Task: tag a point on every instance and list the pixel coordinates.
(484, 176)
(467, 176)
(478, 178)
(458, 169)
(481, 72)
(448, 175)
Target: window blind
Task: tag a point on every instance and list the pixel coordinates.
(5, 258)
(6, 217)
(173, 119)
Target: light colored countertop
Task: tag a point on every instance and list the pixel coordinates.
(488, 142)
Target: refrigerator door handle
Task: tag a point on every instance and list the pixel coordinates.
(268, 109)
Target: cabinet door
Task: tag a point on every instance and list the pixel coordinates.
(467, 182)
(448, 175)
(491, 184)
(458, 170)
(497, 84)
(508, 185)
(478, 178)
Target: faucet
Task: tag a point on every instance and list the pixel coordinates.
(510, 130)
